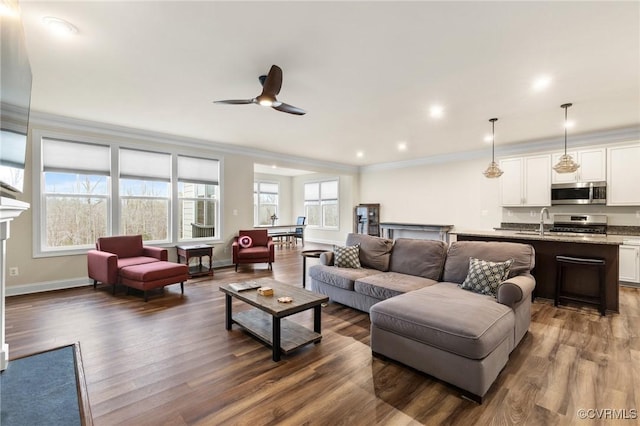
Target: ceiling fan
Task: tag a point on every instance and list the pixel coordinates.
(271, 84)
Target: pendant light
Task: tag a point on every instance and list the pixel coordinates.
(493, 171)
(566, 163)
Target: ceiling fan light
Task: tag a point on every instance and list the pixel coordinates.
(265, 102)
(566, 165)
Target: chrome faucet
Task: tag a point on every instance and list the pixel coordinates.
(544, 209)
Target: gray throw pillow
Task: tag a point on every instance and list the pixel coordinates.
(347, 257)
(485, 277)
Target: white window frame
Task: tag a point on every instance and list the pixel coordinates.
(113, 214)
(256, 198)
(323, 201)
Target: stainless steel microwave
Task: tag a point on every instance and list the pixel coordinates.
(579, 193)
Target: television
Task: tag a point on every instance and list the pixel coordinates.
(15, 103)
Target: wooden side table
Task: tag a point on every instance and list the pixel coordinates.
(187, 252)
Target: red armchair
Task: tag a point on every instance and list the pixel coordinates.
(259, 250)
(122, 260)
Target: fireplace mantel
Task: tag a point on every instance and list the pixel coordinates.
(9, 210)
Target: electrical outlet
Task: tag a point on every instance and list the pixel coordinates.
(509, 213)
(484, 212)
(14, 272)
(532, 213)
(637, 214)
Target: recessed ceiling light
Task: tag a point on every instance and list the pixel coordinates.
(59, 26)
(488, 138)
(569, 124)
(273, 166)
(402, 146)
(541, 83)
(359, 154)
(436, 111)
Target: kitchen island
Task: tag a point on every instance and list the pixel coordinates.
(548, 246)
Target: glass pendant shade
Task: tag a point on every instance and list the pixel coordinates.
(566, 163)
(493, 171)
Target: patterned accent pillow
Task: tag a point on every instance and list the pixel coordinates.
(347, 257)
(245, 241)
(485, 277)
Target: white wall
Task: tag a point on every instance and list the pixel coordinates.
(450, 193)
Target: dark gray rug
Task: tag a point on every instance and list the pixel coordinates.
(45, 389)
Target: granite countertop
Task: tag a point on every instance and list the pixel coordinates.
(548, 236)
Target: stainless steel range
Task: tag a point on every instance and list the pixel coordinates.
(572, 224)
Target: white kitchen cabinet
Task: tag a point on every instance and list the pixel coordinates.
(593, 166)
(526, 181)
(630, 263)
(623, 175)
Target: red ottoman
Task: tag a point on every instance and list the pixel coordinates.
(147, 276)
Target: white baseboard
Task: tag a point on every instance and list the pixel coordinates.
(16, 290)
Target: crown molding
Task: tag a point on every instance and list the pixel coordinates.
(41, 119)
(600, 137)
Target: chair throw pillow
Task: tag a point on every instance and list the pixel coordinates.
(245, 241)
(347, 257)
(485, 277)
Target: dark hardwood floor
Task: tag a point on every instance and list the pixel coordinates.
(171, 361)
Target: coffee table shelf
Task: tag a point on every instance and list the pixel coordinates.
(293, 335)
(266, 319)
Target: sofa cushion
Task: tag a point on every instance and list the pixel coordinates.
(346, 257)
(339, 277)
(155, 271)
(444, 316)
(390, 284)
(484, 276)
(375, 252)
(123, 262)
(456, 265)
(122, 245)
(422, 258)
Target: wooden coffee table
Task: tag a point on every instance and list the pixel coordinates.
(268, 324)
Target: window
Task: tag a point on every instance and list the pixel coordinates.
(75, 199)
(84, 190)
(265, 202)
(198, 195)
(321, 204)
(144, 194)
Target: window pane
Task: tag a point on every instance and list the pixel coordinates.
(143, 188)
(266, 211)
(74, 221)
(329, 190)
(198, 210)
(330, 214)
(313, 214)
(74, 183)
(197, 218)
(311, 191)
(148, 217)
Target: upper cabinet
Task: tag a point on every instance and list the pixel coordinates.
(592, 166)
(623, 175)
(526, 181)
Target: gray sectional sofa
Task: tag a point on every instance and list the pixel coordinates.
(421, 317)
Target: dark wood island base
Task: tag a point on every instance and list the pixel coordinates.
(582, 282)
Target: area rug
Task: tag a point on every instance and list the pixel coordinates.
(47, 388)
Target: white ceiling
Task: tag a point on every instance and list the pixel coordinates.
(366, 72)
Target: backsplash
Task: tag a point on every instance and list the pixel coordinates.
(616, 216)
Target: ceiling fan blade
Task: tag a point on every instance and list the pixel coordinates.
(273, 83)
(290, 109)
(236, 101)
